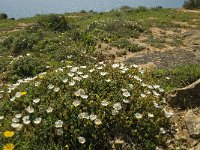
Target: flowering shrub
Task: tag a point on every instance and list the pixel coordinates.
(116, 28)
(27, 66)
(83, 107)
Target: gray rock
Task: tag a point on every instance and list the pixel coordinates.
(192, 122)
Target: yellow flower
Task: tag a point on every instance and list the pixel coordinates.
(23, 93)
(9, 146)
(9, 133)
(41, 77)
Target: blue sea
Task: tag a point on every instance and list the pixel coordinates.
(28, 8)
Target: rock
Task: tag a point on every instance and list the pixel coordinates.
(192, 122)
(197, 147)
(188, 95)
(149, 67)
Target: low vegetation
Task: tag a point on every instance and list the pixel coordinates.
(57, 92)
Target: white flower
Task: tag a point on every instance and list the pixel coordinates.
(126, 101)
(143, 95)
(65, 80)
(17, 94)
(59, 124)
(83, 67)
(26, 117)
(80, 73)
(50, 87)
(18, 116)
(168, 114)
(155, 93)
(150, 86)
(37, 120)
(37, 84)
(126, 94)
(84, 96)
(97, 122)
(99, 68)
(103, 73)
(26, 122)
(115, 65)
(156, 105)
(168, 78)
(101, 63)
(71, 74)
(72, 83)
(150, 115)
(77, 78)
(156, 86)
(115, 112)
(49, 110)
(37, 100)
(79, 92)
(76, 103)
(12, 99)
(81, 140)
(56, 89)
(74, 69)
(137, 78)
(117, 106)
(108, 80)
(85, 76)
(138, 115)
(162, 130)
(83, 115)
(29, 109)
(91, 70)
(15, 120)
(1, 117)
(16, 125)
(104, 103)
(93, 117)
(69, 66)
(134, 65)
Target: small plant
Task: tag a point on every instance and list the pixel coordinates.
(121, 52)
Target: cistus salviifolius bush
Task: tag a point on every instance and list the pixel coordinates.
(83, 107)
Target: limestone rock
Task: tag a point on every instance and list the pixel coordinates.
(189, 93)
(192, 122)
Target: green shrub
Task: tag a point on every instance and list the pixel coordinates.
(117, 28)
(189, 4)
(180, 76)
(3, 16)
(54, 22)
(27, 66)
(141, 9)
(124, 43)
(24, 43)
(84, 107)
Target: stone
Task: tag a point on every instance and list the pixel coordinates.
(189, 93)
(192, 122)
(149, 67)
